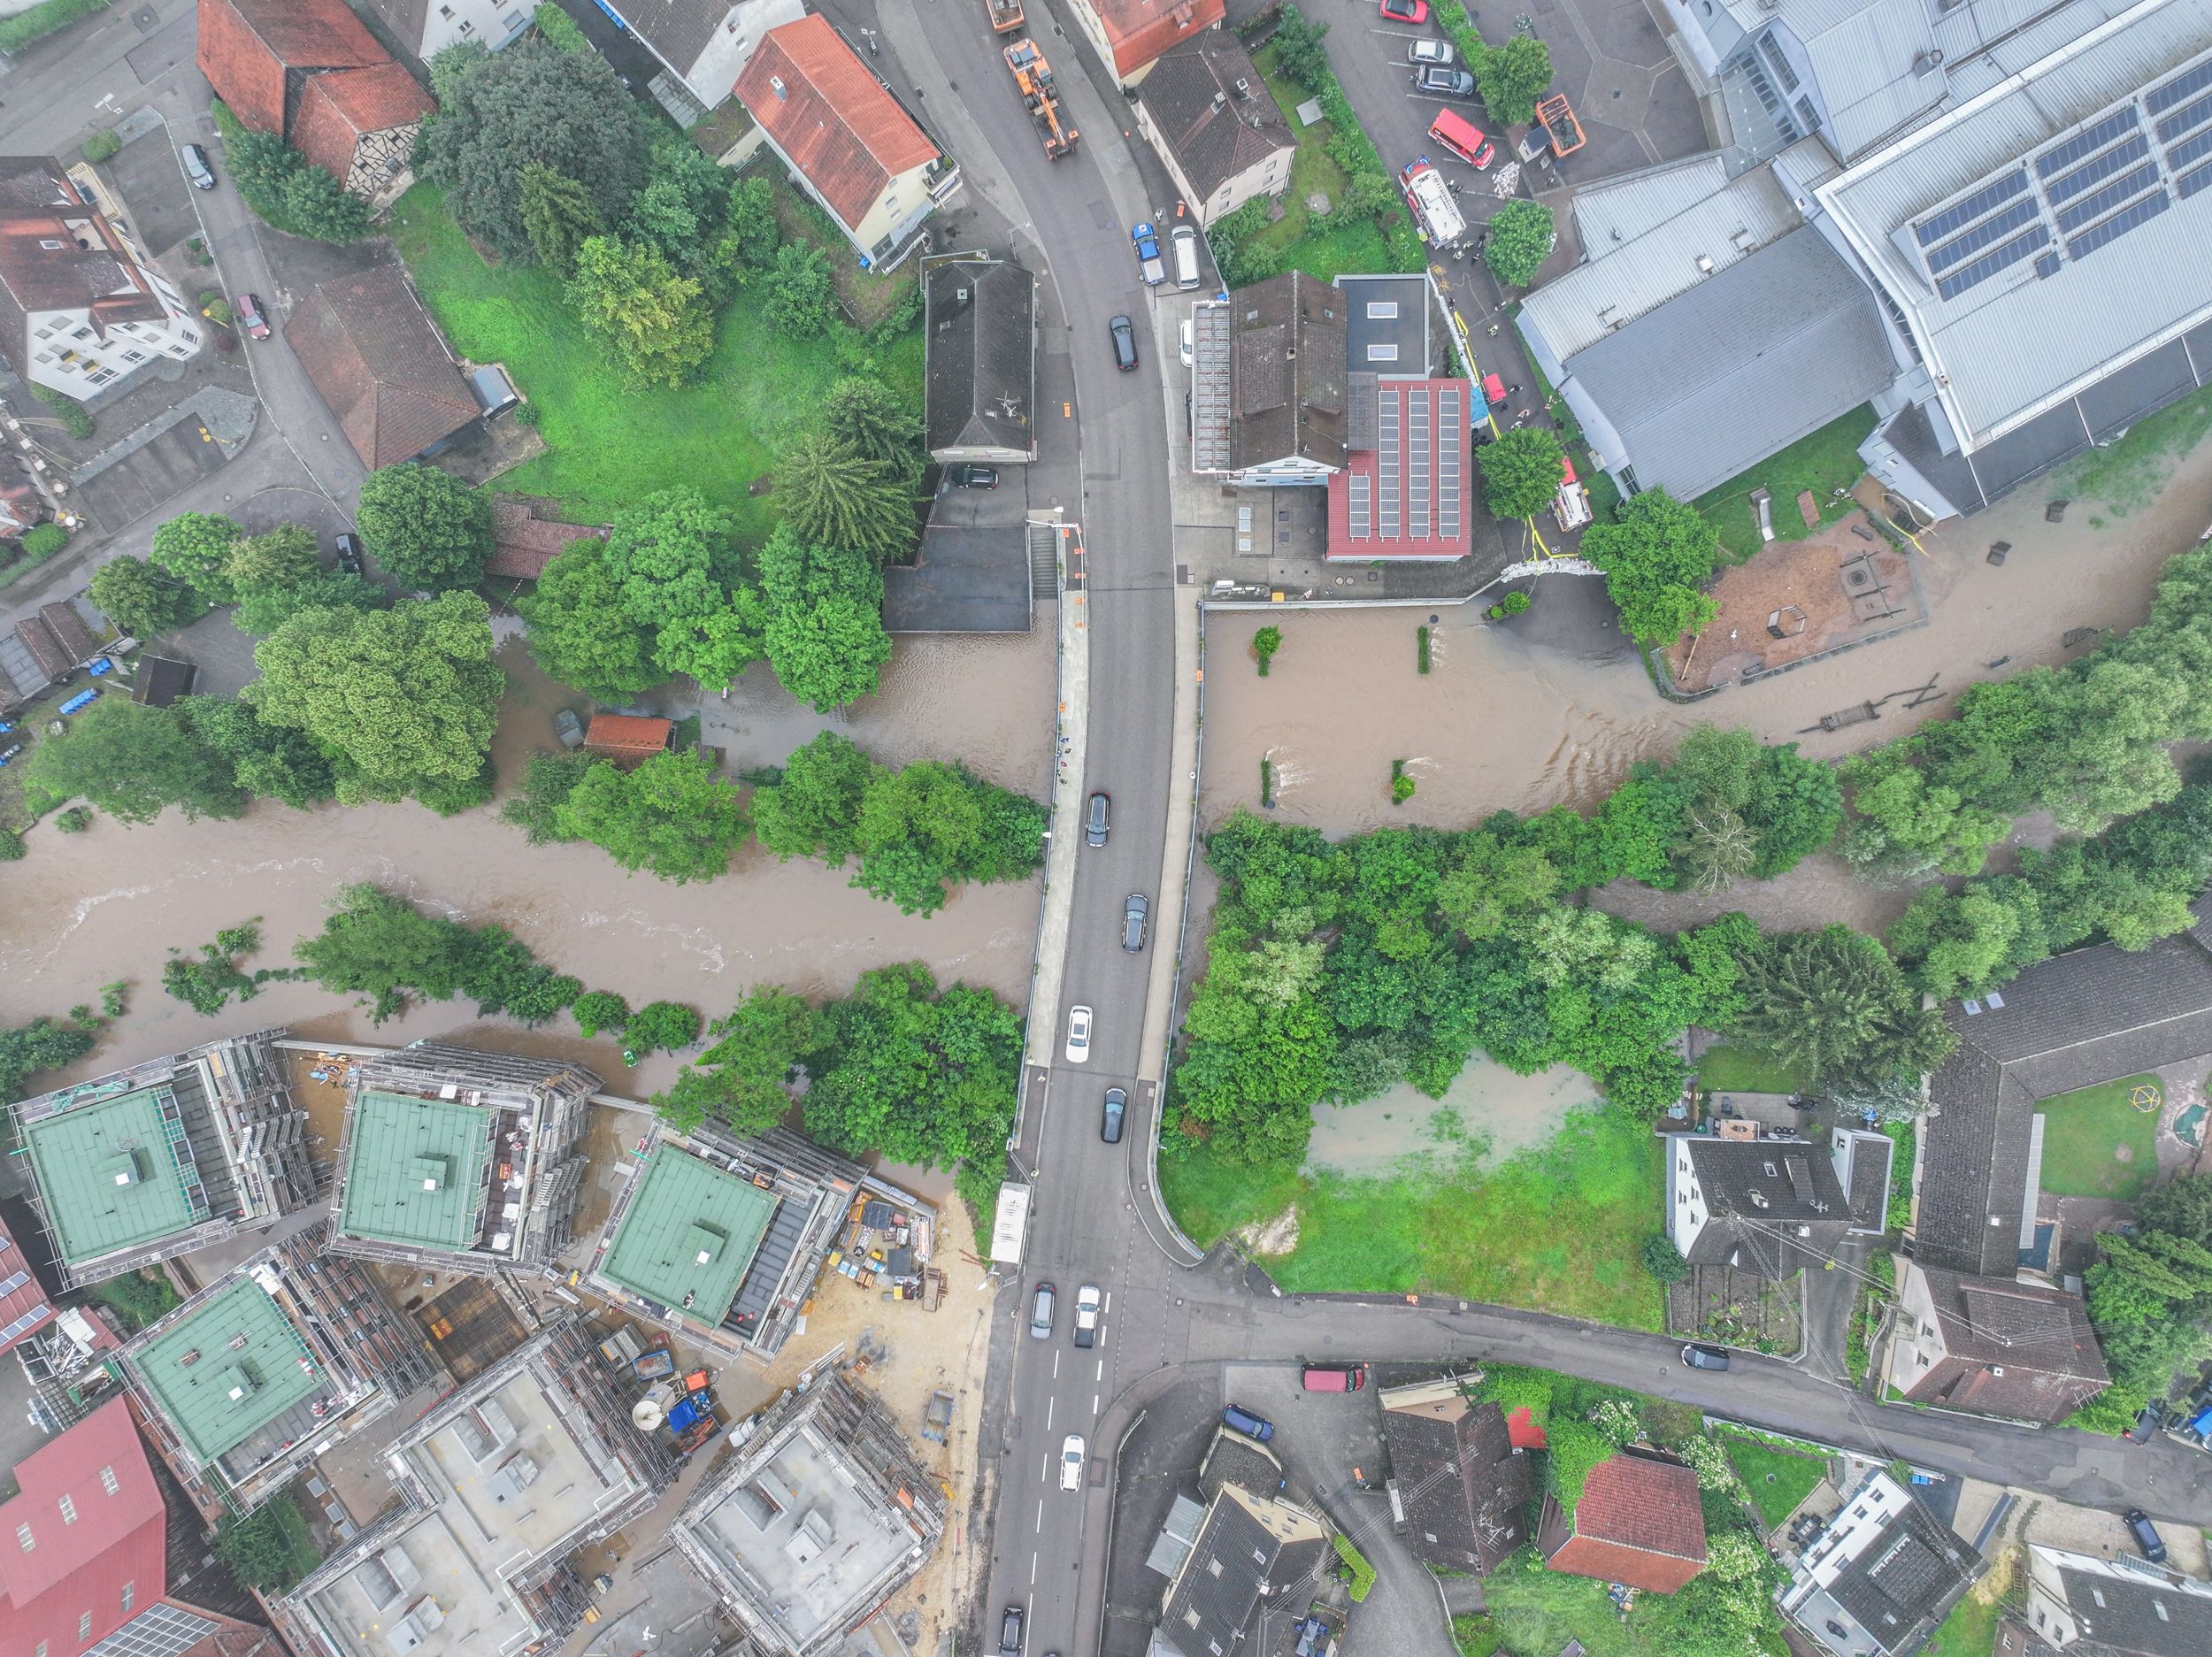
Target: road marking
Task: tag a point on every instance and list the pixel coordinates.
(1109, 1306)
(1055, 1363)
(1101, 1376)
(1049, 1403)
(1041, 1513)
(1033, 1570)
(1094, 1404)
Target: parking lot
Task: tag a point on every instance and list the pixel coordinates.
(157, 202)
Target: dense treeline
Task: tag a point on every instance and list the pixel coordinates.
(2150, 1294)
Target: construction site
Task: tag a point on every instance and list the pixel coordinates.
(143, 1164)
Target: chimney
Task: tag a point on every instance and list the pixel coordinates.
(776, 86)
(1705, 265)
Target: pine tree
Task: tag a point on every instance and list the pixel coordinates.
(556, 215)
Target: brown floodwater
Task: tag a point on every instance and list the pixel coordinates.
(112, 902)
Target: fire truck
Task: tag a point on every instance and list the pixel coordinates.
(1430, 199)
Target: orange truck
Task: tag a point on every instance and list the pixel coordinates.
(1033, 76)
(1006, 15)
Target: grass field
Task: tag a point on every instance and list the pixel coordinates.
(1777, 1479)
(2128, 472)
(2085, 1135)
(1347, 245)
(1822, 461)
(1535, 1613)
(1970, 1630)
(606, 443)
(1745, 1070)
(1557, 1228)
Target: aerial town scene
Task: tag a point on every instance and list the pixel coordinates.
(1105, 828)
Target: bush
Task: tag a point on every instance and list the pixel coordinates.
(66, 409)
(1265, 643)
(559, 29)
(11, 846)
(43, 20)
(1421, 647)
(661, 1024)
(43, 540)
(602, 1009)
(75, 820)
(1514, 604)
(1401, 785)
(528, 413)
(1663, 1260)
(102, 146)
(216, 309)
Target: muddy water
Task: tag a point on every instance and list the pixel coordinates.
(108, 903)
(1403, 1129)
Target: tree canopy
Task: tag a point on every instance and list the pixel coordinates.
(1832, 1006)
(195, 547)
(1521, 472)
(132, 761)
(1656, 555)
(824, 627)
(834, 495)
(578, 631)
(814, 811)
(144, 599)
(743, 1081)
(674, 814)
(428, 528)
(654, 322)
(1520, 238)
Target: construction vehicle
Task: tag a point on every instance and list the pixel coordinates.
(1006, 15)
(937, 1423)
(1557, 119)
(1033, 76)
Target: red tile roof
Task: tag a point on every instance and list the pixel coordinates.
(370, 348)
(1527, 1433)
(1141, 30)
(832, 117)
(79, 1565)
(1428, 502)
(245, 46)
(1638, 1522)
(523, 543)
(24, 1309)
(336, 110)
(620, 736)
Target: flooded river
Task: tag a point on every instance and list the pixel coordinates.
(110, 903)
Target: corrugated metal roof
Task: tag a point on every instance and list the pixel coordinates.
(1873, 71)
(1607, 215)
(1730, 222)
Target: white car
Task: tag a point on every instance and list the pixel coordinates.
(1079, 1034)
(1087, 1304)
(1429, 52)
(1071, 1461)
(1187, 341)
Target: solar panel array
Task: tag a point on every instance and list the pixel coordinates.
(2113, 229)
(1363, 506)
(2084, 144)
(1451, 427)
(1386, 422)
(2104, 167)
(1957, 218)
(2165, 97)
(2100, 201)
(2190, 183)
(1992, 229)
(1418, 472)
(1982, 269)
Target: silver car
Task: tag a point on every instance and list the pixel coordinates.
(1040, 1312)
(1079, 1034)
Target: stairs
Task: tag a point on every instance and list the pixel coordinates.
(1044, 561)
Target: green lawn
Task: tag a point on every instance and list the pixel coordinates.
(1777, 1479)
(606, 443)
(2129, 473)
(2085, 1135)
(1357, 247)
(1746, 1070)
(1535, 1613)
(1970, 1630)
(1822, 461)
(1557, 1228)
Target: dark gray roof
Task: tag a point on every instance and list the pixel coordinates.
(1751, 359)
(981, 330)
(1235, 1560)
(2127, 1620)
(1212, 110)
(2025, 1344)
(1762, 1194)
(967, 578)
(679, 30)
(1872, 1155)
(2087, 1017)
(1233, 1458)
(1287, 372)
(1904, 1582)
(1370, 330)
(1464, 1488)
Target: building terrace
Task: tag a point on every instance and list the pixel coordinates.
(165, 1157)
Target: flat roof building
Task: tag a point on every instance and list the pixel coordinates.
(459, 1160)
(145, 1163)
(267, 1367)
(822, 1515)
(499, 1485)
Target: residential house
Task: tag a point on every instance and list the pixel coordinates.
(846, 139)
(1637, 1521)
(1214, 122)
(626, 739)
(1404, 491)
(1131, 35)
(980, 373)
(1992, 1345)
(1769, 1206)
(1882, 1575)
(310, 72)
(1459, 1487)
(425, 27)
(1223, 1559)
(381, 367)
(705, 43)
(2087, 1606)
(55, 643)
(1267, 383)
(525, 537)
(81, 308)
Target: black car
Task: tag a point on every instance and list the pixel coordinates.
(1124, 334)
(972, 477)
(2153, 1417)
(1132, 922)
(1009, 1632)
(1442, 81)
(1704, 1357)
(349, 552)
(1117, 1108)
(2148, 1540)
(1095, 822)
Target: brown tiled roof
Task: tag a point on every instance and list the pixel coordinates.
(523, 543)
(1287, 372)
(626, 736)
(46, 651)
(1464, 1486)
(372, 354)
(1141, 30)
(2011, 1348)
(36, 198)
(1637, 1521)
(336, 110)
(832, 118)
(1214, 130)
(69, 630)
(245, 46)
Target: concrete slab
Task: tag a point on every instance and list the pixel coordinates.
(141, 481)
(146, 179)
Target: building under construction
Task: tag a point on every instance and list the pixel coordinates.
(822, 1515)
(137, 1166)
(461, 1161)
(722, 1240)
(268, 1367)
(499, 1486)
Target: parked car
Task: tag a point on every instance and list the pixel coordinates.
(1094, 819)
(972, 477)
(1009, 1632)
(1463, 139)
(2147, 1541)
(1088, 1303)
(1071, 1461)
(349, 545)
(1040, 1309)
(1132, 922)
(1445, 83)
(1704, 1357)
(1185, 347)
(1242, 1420)
(1149, 265)
(1079, 1034)
(196, 167)
(2153, 1417)
(1185, 239)
(1429, 52)
(247, 310)
(1117, 1108)
(1335, 1377)
(1405, 10)
(1122, 332)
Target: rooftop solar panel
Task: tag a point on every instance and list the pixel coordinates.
(1982, 269)
(1417, 470)
(1362, 506)
(1449, 424)
(1387, 421)
(2113, 229)
(1957, 218)
(2097, 204)
(2180, 87)
(2047, 265)
(2190, 149)
(2082, 144)
(2187, 118)
(2094, 173)
(2196, 179)
(1989, 231)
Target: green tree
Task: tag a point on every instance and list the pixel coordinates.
(743, 1081)
(1958, 944)
(132, 762)
(661, 1025)
(283, 557)
(835, 496)
(143, 599)
(195, 547)
(752, 237)
(873, 421)
(578, 631)
(1299, 50)
(558, 217)
(655, 321)
(825, 626)
(405, 698)
(428, 528)
(601, 1010)
(801, 299)
(375, 943)
(674, 814)
(814, 811)
(1656, 555)
(680, 213)
(559, 29)
(259, 1548)
(1521, 472)
(931, 824)
(1663, 1260)
(1512, 76)
(548, 781)
(270, 761)
(317, 205)
(2182, 1207)
(1495, 884)
(1521, 236)
(532, 104)
(42, 1045)
(1265, 643)
(1832, 1006)
(262, 610)
(675, 567)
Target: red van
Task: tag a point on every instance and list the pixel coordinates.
(1347, 1377)
(1493, 390)
(1461, 136)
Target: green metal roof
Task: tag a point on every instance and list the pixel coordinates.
(108, 1176)
(413, 1170)
(227, 1394)
(683, 1209)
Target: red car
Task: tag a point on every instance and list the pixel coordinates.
(250, 317)
(1406, 11)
